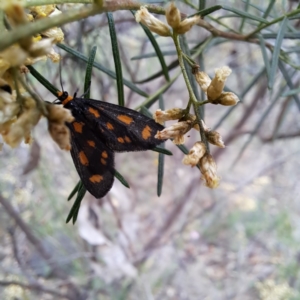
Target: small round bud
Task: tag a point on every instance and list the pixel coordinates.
(154, 24)
(195, 154)
(173, 15)
(227, 99)
(218, 82)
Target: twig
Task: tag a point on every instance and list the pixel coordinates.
(120, 225)
(16, 253)
(75, 293)
(170, 219)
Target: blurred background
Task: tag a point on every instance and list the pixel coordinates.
(239, 241)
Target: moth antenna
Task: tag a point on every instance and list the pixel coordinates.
(60, 77)
(87, 91)
(75, 94)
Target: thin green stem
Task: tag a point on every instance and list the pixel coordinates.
(158, 92)
(184, 73)
(190, 4)
(192, 98)
(189, 60)
(291, 14)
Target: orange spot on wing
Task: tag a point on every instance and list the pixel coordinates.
(103, 161)
(91, 143)
(104, 154)
(127, 139)
(120, 140)
(109, 126)
(146, 133)
(94, 112)
(96, 178)
(125, 119)
(78, 126)
(83, 159)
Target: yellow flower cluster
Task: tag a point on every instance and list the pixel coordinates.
(19, 112)
(19, 127)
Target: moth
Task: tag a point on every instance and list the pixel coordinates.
(99, 129)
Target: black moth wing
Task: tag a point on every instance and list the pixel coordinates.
(93, 160)
(121, 128)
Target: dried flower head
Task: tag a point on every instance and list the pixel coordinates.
(208, 169)
(21, 128)
(175, 132)
(195, 154)
(218, 82)
(57, 118)
(187, 24)
(214, 138)
(154, 24)
(173, 15)
(227, 99)
(54, 33)
(161, 116)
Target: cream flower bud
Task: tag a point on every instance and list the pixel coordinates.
(154, 24)
(227, 99)
(41, 48)
(173, 16)
(21, 128)
(218, 82)
(55, 32)
(203, 80)
(175, 132)
(195, 154)
(187, 24)
(55, 57)
(57, 118)
(161, 116)
(208, 169)
(214, 138)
